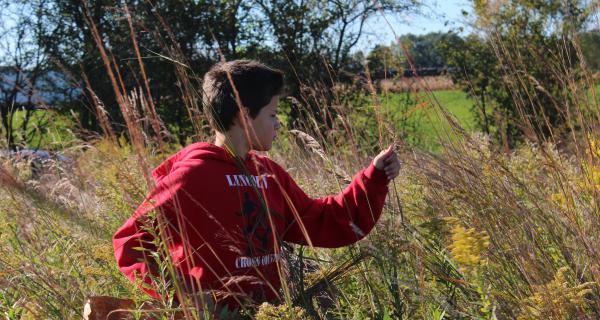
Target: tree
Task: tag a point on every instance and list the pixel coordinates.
(385, 61)
(590, 45)
(351, 17)
(530, 43)
(424, 50)
(474, 68)
(427, 53)
(176, 39)
(317, 36)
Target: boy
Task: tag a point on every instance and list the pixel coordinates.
(225, 209)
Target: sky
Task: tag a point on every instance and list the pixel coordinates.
(436, 16)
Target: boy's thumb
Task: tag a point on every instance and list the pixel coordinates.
(387, 152)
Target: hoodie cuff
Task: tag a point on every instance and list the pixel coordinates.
(376, 175)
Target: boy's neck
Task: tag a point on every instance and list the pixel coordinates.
(233, 140)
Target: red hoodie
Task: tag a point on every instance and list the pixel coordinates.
(226, 219)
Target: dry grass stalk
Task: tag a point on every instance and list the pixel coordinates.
(313, 146)
(111, 68)
(103, 117)
(155, 119)
(189, 94)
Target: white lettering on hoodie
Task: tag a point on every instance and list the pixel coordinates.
(248, 262)
(240, 180)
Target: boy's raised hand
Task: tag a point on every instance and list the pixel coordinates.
(387, 161)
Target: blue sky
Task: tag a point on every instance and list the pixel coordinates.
(437, 15)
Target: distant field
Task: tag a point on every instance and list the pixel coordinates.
(410, 83)
(430, 128)
(422, 112)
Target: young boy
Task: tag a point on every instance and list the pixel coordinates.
(226, 209)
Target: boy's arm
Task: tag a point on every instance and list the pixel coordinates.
(132, 242)
(338, 220)
(133, 261)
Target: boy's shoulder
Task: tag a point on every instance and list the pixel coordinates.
(206, 156)
(200, 156)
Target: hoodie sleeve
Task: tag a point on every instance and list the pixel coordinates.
(337, 220)
(132, 242)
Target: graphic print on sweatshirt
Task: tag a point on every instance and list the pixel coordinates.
(257, 228)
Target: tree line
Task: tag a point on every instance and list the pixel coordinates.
(311, 40)
(163, 47)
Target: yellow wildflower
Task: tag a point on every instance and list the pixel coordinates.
(90, 271)
(467, 247)
(560, 199)
(268, 311)
(556, 299)
(103, 252)
(594, 147)
(590, 179)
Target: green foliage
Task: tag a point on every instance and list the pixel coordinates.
(477, 73)
(590, 45)
(270, 312)
(46, 129)
(423, 52)
(516, 93)
(384, 59)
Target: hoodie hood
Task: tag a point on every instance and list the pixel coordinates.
(194, 152)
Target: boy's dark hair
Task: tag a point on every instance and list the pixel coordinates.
(255, 83)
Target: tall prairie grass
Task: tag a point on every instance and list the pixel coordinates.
(472, 232)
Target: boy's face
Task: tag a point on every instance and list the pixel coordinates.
(265, 126)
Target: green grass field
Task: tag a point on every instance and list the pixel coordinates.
(430, 128)
(422, 115)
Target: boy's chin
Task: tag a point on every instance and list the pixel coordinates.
(262, 147)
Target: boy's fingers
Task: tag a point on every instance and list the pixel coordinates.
(392, 162)
(391, 159)
(392, 169)
(382, 160)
